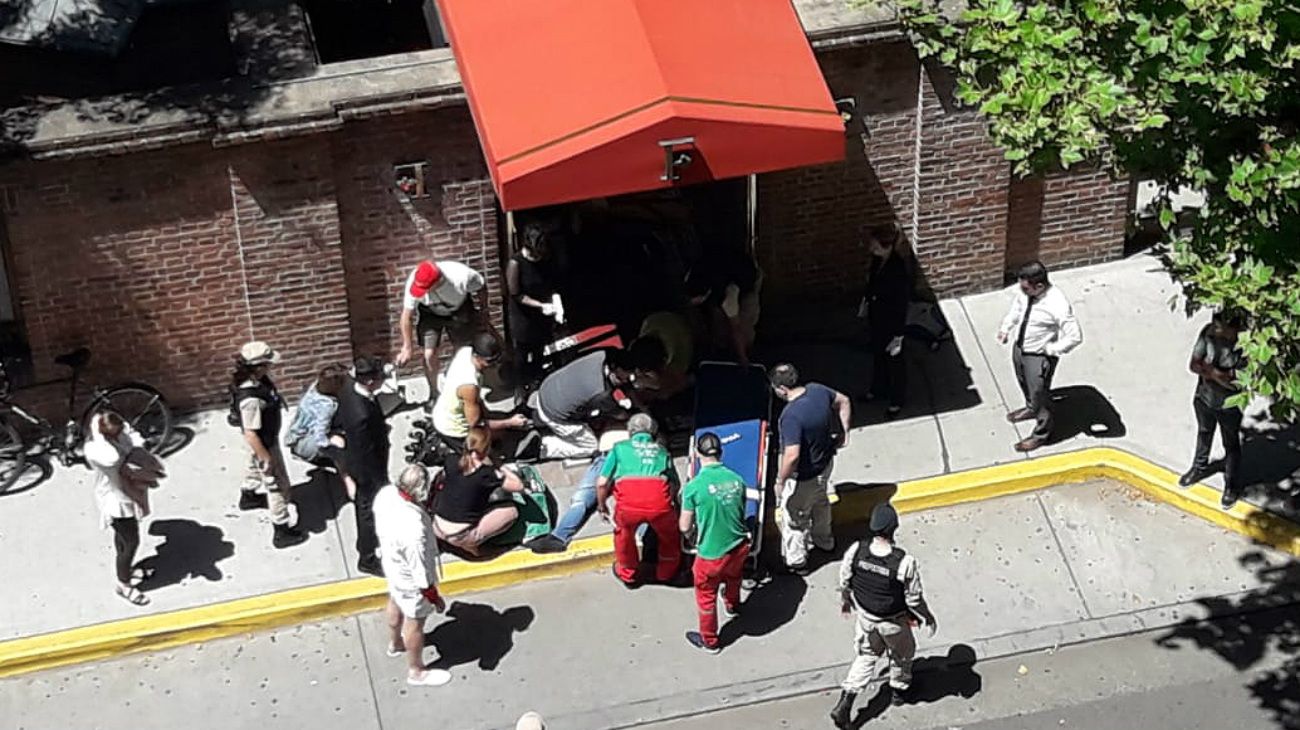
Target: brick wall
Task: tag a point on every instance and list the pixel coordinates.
(386, 234)
(139, 257)
(974, 219)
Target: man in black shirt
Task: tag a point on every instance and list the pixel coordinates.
(1215, 358)
(365, 455)
(889, 291)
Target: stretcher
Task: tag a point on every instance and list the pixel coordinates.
(735, 403)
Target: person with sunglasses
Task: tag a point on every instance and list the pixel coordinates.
(460, 405)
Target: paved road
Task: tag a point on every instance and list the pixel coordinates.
(1116, 684)
(1005, 577)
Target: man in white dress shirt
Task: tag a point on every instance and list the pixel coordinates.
(1041, 327)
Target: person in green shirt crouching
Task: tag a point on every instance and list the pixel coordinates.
(715, 501)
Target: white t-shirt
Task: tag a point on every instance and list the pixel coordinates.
(449, 410)
(458, 282)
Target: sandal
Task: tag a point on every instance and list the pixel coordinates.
(133, 596)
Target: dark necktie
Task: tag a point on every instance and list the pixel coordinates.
(1024, 324)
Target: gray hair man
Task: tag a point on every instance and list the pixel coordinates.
(409, 552)
(640, 473)
(881, 583)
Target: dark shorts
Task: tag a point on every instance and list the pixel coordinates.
(459, 326)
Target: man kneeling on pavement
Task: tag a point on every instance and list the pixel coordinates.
(881, 583)
(639, 473)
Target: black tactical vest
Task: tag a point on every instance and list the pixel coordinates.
(877, 587)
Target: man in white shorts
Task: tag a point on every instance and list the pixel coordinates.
(409, 552)
(443, 298)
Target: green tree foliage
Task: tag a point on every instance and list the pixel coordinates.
(1190, 93)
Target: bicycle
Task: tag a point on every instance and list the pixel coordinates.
(23, 433)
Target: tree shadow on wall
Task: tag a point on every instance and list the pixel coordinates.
(1258, 633)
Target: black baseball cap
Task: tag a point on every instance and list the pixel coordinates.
(708, 444)
(366, 368)
(486, 347)
(884, 519)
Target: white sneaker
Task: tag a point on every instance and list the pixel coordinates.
(429, 678)
(391, 652)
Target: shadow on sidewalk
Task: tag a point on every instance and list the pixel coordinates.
(934, 678)
(1084, 410)
(188, 550)
(1246, 629)
(476, 632)
(768, 607)
(1270, 466)
(319, 500)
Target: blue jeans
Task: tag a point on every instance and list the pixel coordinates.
(582, 505)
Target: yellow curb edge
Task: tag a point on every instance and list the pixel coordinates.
(347, 597)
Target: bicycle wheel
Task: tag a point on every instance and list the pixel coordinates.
(13, 456)
(139, 405)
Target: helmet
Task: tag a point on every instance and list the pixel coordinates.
(708, 444)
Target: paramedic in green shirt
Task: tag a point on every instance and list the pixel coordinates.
(639, 473)
(715, 501)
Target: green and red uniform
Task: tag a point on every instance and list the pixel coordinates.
(717, 497)
(643, 479)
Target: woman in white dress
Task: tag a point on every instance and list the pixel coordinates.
(124, 473)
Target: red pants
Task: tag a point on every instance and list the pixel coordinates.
(626, 556)
(709, 574)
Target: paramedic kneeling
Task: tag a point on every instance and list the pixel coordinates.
(715, 501)
(639, 473)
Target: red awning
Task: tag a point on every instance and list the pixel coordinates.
(578, 99)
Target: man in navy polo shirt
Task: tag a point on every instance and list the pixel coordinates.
(809, 440)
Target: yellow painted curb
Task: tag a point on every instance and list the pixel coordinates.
(205, 623)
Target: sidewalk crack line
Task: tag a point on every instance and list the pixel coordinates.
(1069, 569)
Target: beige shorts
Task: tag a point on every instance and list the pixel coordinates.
(412, 604)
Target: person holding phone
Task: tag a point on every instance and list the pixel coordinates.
(881, 584)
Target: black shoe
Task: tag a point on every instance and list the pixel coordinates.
(841, 715)
(696, 640)
(529, 448)
(801, 569)
(732, 611)
(892, 412)
(1230, 497)
(547, 544)
(286, 536)
(251, 501)
(1193, 475)
(372, 567)
(899, 697)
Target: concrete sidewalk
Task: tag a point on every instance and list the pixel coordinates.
(1127, 386)
(1023, 573)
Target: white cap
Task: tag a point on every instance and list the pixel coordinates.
(530, 721)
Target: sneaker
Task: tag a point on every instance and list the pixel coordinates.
(393, 652)
(1019, 414)
(1029, 444)
(530, 447)
(799, 569)
(1193, 475)
(372, 567)
(631, 585)
(730, 611)
(547, 544)
(286, 536)
(899, 697)
(696, 640)
(429, 678)
(249, 500)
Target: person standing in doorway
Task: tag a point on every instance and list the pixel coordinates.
(889, 291)
(258, 409)
(440, 299)
(1215, 359)
(1044, 328)
(121, 492)
(881, 583)
(807, 429)
(535, 304)
(714, 502)
(410, 555)
(365, 452)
